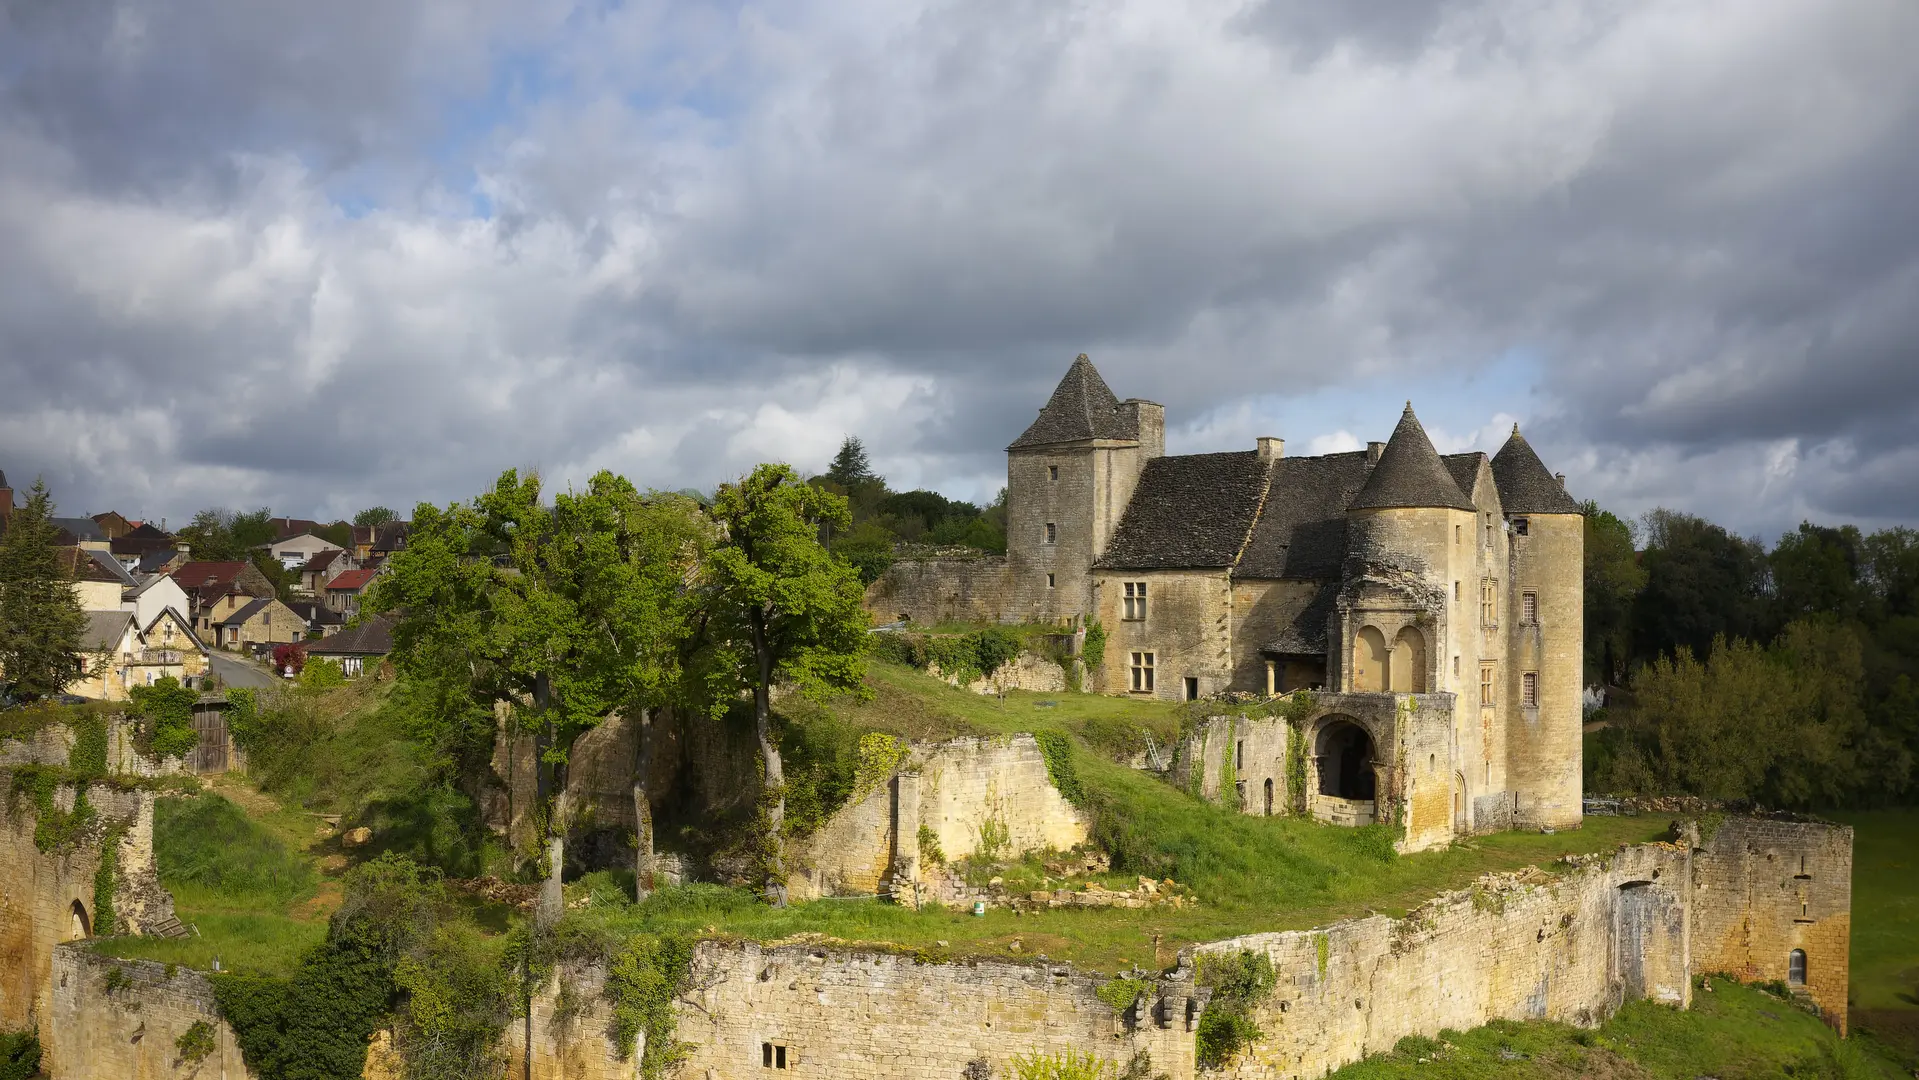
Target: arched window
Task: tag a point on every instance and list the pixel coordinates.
(1408, 664)
(80, 926)
(1796, 967)
(1369, 660)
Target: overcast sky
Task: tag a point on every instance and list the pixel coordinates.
(318, 256)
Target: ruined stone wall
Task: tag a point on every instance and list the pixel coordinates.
(954, 790)
(931, 591)
(1188, 629)
(876, 1016)
(131, 1032)
(1257, 750)
(1763, 887)
(1413, 754)
(572, 1040)
(1569, 947)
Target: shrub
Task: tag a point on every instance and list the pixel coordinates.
(994, 647)
(1064, 1065)
(19, 1054)
(321, 674)
(644, 978)
(290, 655)
(1092, 652)
(195, 1043)
(165, 710)
(1240, 982)
(88, 758)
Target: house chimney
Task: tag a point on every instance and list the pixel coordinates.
(1271, 449)
(1373, 450)
(1561, 477)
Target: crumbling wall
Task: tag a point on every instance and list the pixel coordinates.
(572, 1036)
(1569, 947)
(879, 1016)
(937, 590)
(1256, 750)
(1763, 887)
(130, 1028)
(963, 792)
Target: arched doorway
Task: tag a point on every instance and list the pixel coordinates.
(1460, 823)
(1369, 659)
(1345, 754)
(80, 926)
(1408, 664)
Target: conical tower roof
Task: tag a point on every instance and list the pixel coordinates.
(1525, 487)
(1409, 474)
(1082, 407)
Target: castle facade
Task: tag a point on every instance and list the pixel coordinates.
(1434, 604)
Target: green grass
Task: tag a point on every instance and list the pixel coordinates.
(1885, 924)
(1731, 1033)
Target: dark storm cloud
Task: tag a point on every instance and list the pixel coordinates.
(327, 255)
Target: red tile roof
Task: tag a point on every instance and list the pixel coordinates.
(351, 581)
(194, 575)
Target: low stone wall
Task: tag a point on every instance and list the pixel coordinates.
(1027, 671)
(131, 1029)
(1569, 947)
(852, 1015)
(931, 591)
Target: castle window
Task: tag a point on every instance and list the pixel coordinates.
(1529, 608)
(1489, 530)
(1239, 751)
(1192, 688)
(1052, 532)
(1052, 472)
(1489, 602)
(1455, 592)
(1455, 665)
(1486, 684)
(1142, 673)
(1796, 967)
(1049, 581)
(1529, 690)
(1519, 526)
(1459, 534)
(772, 1056)
(1133, 608)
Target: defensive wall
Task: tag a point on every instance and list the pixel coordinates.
(937, 590)
(125, 1020)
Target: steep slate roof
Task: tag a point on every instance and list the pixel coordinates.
(1306, 634)
(1302, 532)
(1193, 510)
(105, 630)
(79, 528)
(1082, 407)
(241, 614)
(373, 637)
(351, 581)
(1409, 474)
(1464, 469)
(1525, 487)
(112, 568)
(152, 561)
(321, 560)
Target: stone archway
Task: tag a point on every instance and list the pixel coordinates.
(1371, 659)
(79, 927)
(1345, 754)
(1408, 663)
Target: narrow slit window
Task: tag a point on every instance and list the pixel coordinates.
(1529, 608)
(1049, 581)
(1052, 533)
(1052, 472)
(1239, 752)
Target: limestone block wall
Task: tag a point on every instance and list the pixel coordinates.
(1543, 744)
(1188, 629)
(131, 1032)
(1568, 947)
(1257, 751)
(48, 897)
(1414, 757)
(1763, 887)
(954, 789)
(1261, 609)
(575, 1042)
(877, 1016)
(929, 591)
(1027, 671)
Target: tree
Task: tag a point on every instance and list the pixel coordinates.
(220, 535)
(782, 609)
(850, 466)
(375, 516)
(563, 614)
(1613, 579)
(1701, 582)
(1816, 571)
(42, 628)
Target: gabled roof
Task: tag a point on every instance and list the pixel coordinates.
(351, 581)
(288, 528)
(1525, 487)
(1082, 407)
(148, 582)
(373, 637)
(105, 630)
(241, 614)
(316, 613)
(79, 528)
(195, 575)
(1464, 469)
(321, 560)
(1193, 510)
(185, 625)
(1302, 531)
(1409, 474)
(152, 561)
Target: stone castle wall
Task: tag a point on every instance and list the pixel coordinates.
(938, 590)
(1763, 887)
(131, 1032)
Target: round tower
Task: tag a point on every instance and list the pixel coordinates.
(1546, 617)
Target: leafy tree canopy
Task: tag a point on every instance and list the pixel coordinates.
(375, 515)
(42, 628)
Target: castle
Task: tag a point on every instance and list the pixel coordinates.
(1432, 603)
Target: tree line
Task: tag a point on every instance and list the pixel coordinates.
(882, 520)
(1784, 675)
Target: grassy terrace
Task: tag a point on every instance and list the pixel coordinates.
(1885, 925)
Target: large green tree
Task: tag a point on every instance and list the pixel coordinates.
(782, 609)
(42, 628)
(1702, 582)
(1613, 580)
(562, 613)
(220, 535)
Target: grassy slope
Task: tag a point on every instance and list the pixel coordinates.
(1885, 923)
(1731, 1033)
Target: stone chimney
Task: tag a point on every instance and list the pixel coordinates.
(1373, 450)
(1561, 477)
(1271, 449)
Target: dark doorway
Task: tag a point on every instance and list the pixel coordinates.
(1345, 755)
(1269, 796)
(1192, 688)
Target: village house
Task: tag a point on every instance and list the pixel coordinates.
(323, 568)
(357, 649)
(321, 620)
(295, 552)
(210, 585)
(120, 654)
(156, 593)
(376, 542)
(99, 582)
(262, 620)
(344, 593)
